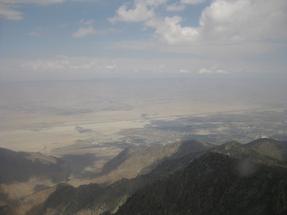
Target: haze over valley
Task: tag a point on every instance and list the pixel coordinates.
(143, 107)
(44, 116)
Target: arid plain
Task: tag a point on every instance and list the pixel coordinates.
(46, 116)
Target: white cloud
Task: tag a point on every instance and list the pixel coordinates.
(242, 20)
(181, 5)
(137, 14)
(223, 21)
(78, 68)
(207, 71)
(168, 28)
(111, 67)
(87, 28)
(171, 31)
(175, 7)
(8, 11)
(85, 31)
(141, 10)
(192, 2)
(41, 2)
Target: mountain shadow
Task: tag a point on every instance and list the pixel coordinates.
(214, 184)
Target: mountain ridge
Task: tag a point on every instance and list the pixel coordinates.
(228, 163)
(212, 185)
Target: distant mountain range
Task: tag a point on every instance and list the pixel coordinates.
(188, 177)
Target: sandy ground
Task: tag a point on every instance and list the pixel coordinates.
(22, 131)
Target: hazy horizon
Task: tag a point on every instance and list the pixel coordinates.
(143, 107)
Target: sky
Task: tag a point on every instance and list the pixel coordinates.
(87, 39)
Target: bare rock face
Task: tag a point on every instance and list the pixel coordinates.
(181, 179)
(26, 179)
(96, 199)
